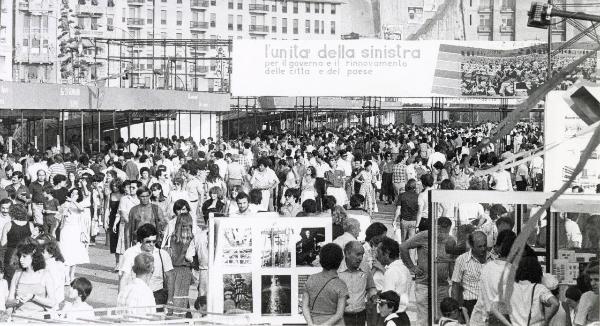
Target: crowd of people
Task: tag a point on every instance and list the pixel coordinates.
(154, 198)
(517, 75)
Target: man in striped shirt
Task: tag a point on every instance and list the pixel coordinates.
(399, 176)
(467, 271)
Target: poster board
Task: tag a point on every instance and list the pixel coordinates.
(257, 265)
(560, 123)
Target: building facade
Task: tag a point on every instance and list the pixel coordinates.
(6, 40)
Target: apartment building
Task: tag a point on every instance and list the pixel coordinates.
(6, 41)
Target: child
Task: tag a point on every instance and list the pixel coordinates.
(452, 313)
(50, 210)
(74, 305)
(388, 303)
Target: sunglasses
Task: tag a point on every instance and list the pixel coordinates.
(149, 241)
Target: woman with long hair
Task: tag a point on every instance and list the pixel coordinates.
(13, 233)
(74, 237)
(158, 198)
(213, 179)
(55, 266)
(177, 193)
(112, 226)
(177, 239)
(231, 206)
(32, 288)
(365, 179)
(214, 204)
(308, 184)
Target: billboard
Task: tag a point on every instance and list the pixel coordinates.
(559, 162)
(394, 68)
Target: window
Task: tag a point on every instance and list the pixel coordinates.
(179, 1)
(149, 16)
(507, 23)
(284, 7)
(213, 3)
(317, 27)
(308, 7)
(508, 5)
(163, 17)
(179, 18)
(163, 35)
(295, 30)
(110, 23)
(25, 42)
(316, 8)
(94, 23)
(332, 27)
(274, 8)
(230, 4)
(470, 20)
(307, 26)
(415, 13)
(484, 23)
(322, 27)
(178, 36)
(110, 3)
(333, 9)
(230, 22)
(80, 22)
(284, 25)
(274, 25)
(239, 22)
(240, 5)
(295, 7)
(213, 20)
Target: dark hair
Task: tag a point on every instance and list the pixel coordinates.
(18, 174)
(505, 240)
(5, 201)
(59, 178)
(427, 180)
(573, 293)
(329, 202)
(356, 200)
(291, 193)
(144, 231)
(79, 193)
(447, 184)
(309, 206)
(242, 195)
(411, 185)
(448, 306)
(157, 186)
(37, 259)
(496, 210)
(144, 169)
(438, 165)
(391, 247)
(179, 204)
(83, 287)
(391, 297)
(375, 229)
(444, 222)
(255, 196)
(584, 282)
(529, 270)
(506, 220)
(142, 190)
(313, 171)
(53, 249)
(331, 256)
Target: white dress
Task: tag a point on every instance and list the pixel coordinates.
(72, 233)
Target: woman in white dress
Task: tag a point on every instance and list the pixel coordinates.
(55, 267)
(308, 184)
(74, 237)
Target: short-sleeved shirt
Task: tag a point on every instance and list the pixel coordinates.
(358, 282)
(587, 309)
(156, 281)
(323, 306)
(467, 272)
(409, 205)
(521, 303)
(397, 278)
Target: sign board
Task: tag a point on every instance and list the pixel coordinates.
(394, 68)
(560, 161)
(258, 265)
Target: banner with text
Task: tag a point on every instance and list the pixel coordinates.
(391, 68)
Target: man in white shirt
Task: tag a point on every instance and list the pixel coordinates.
(146, 237)
(265, 180)
(574, 236)
(137, 295)
(221, 163)
(397, 277)
(437, 156)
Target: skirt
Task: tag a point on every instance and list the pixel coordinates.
(123, 238)
(387, 187)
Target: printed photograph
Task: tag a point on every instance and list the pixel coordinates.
(276, 295)
(301, 284)
(237, 248)
(237, 293)
(276, 247)
(307, 249)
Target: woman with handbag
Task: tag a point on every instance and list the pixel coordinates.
(74, 236)
(176, 243)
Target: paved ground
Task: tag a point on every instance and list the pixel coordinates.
(104, 280)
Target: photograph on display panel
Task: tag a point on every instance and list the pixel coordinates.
(307, 249)
(237, 293)
(237, 247)
(301, 287)
(276, 247)
(276, 294)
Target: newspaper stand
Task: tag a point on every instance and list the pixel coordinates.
(120, 315)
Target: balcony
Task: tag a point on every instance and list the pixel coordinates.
(36, 6)
(259, 29)
(198, 26)
(199, 4)
(200, 70)
(90, 33)
(199, 48)
(34, 57)
(484, 28)
(135, 2)
(258, 8)
(135, 22)
(484, 9)
(85, 10)
(506, 29)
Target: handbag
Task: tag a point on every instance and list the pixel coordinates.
(161, 296)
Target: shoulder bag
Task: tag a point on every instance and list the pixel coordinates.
(531, 304)
(161, 296)
(312, 307)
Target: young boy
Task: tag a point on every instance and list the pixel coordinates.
(74, 305)
(388, 303)
(49, 212)
(452, 313)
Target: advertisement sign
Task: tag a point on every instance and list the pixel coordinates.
(258, 265)
(560, 161)
(394, 68)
